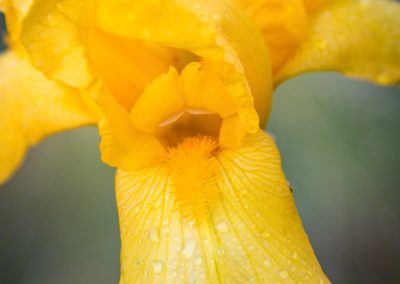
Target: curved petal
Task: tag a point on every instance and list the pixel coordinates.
(284, 24)
(31, 107)
(15, 11)
(360, 38)
(120, 141)
(222, 33)
(250, 234)
(54, 34)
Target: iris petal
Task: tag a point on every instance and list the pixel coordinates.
(15, 12)
(54, 35)
(222, 33)
(360, 38)
(284, 24)
(250, 234)
(31, 107)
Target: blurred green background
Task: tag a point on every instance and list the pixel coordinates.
(340, 144)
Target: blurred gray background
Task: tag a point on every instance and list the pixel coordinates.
(340, 145)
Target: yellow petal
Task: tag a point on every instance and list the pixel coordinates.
(15, 11)
(250, 231)
(162, 99)
(231, 133)
(31, 107)
(204, 89)
(222, 33)
(53, 33)
(121, 144)
(313, 5)
(360, 38)
(126, 65)
(284, 25)
(171, 108)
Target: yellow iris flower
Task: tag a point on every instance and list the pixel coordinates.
(178, 89)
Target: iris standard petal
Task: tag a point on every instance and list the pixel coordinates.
(54, 34)
(31, 107)
(237, 224)
(284, 24)
(360, 38)
(223, 32)
(121, 145)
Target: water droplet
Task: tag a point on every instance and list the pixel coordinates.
(154, 235)
(283, 274)
(295, 255)
(267, 263)
(157, 266)
(198, 260)
(216, 16)
(222, 227)
(188, 248)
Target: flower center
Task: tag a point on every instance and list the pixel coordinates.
(194, 102)
(188, 124)
(193, 169)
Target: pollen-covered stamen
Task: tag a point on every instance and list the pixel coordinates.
(194, 168)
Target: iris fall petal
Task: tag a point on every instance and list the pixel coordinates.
(248, 230)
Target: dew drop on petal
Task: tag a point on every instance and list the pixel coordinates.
(157, 266)
(198, 260)
(222, 227)
(154, 235)
(267, 263)
(188, 248)
(283, 274)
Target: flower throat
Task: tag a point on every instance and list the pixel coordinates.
(194, 168)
